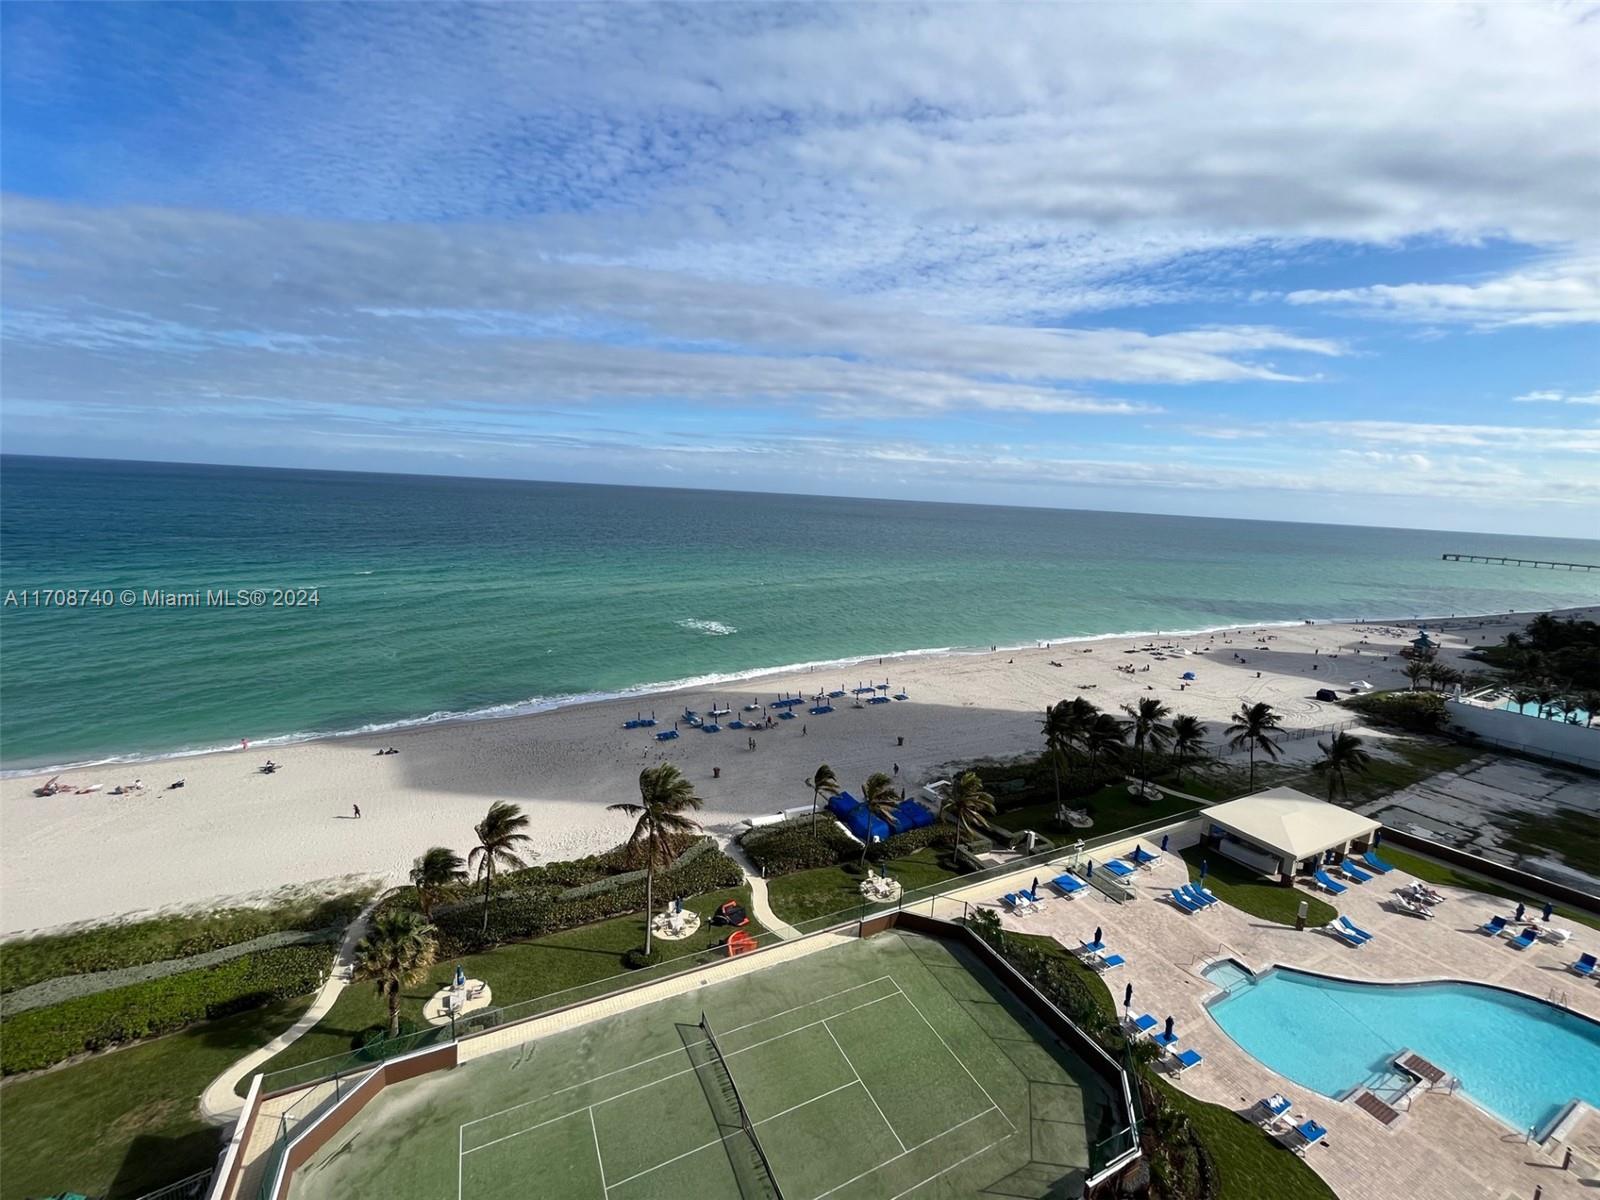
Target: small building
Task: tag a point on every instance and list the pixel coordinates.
(1423, 646)
(1285, 832)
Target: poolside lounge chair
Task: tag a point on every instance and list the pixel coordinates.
(1165, 1040)
(1354, 872)
(1186, 1059)
(1143, 1024)
(1068, 884)
(1182, 901)
(1585, 966)
(1327, 883)
(1354, 928)
(1411, 907)
(1035, 901)
(1377, 864)
(1198, 895)
(1307, 1133)
(1494, 926)
(1269, 1110)
(1343, 934)
(1143, 858)
(1525, 939)
(1090, 949)
(1107, 962)
(1120, 869)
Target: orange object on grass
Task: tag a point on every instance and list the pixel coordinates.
(740, 942)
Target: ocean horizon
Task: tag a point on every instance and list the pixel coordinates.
(215, 603)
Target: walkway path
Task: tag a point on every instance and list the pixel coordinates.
(759, 904)
(218, 1103)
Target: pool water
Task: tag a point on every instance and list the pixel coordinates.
(1227, 974)
(1531, 709)
(1520, 1059)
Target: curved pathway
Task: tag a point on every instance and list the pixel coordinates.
(759, 904)
(218, 1103)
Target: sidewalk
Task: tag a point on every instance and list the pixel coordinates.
(759, 905)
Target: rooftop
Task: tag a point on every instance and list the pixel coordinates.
(1291, 822)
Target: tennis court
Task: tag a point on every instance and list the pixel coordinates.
(882, 1068)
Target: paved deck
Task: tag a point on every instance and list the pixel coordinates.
(1444, 1146)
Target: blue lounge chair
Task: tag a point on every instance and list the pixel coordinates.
(1494, 926)
(1198, 896)
(666, 735)
(1273, 1107)
(1182, 901)
(1187, 1059)
(1090, 947)
(1031, 896)
(1120, 869)
(1585, 966)
(1068, 884)
(1525, 939)
(1344, 935)
(1165, 1040)
(1354, 928)
(1354, 872)
(1377, 864)
(1309, 1133)
(1327, 883)
(1144, 1024)
(1108, 962)
(1142, 857)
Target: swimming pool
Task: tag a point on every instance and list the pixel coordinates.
(1521, 1059)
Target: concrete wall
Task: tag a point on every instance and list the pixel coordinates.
(1532, 735)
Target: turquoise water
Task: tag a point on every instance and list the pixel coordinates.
(468, 596)
(1227, 974)
(1531, 709)
(1520, 1059)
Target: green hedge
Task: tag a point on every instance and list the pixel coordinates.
(1419, 712)
(130, 944)
(42, 1037)
(788, 846)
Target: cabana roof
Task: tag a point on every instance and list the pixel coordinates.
(1290, 822)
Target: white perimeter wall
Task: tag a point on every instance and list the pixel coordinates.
(1550, 739)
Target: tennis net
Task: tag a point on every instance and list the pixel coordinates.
(729, 1092)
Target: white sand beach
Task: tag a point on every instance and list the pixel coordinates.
(234, 832)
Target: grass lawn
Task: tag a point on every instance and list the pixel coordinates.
(1437, 872)
(1111, 807)
(1251, 1165)
(1400, 763)
(516, 972)
(1257, 895)
(124, 1123)
(803, 895)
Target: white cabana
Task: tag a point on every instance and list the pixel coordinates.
(1276, 830)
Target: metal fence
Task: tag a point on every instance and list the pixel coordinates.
(191, 1188)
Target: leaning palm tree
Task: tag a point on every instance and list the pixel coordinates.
(1591, 706)
(1104, 740)
(966, 807)
(1341, 758)
(500, 845)
(1147, 722)
(665, 798)
(1415, 672)
(434, 871)
(880, 798)
(823, 782)
(397, 952)
(1188, 740)
(1080, 715)
(1252, 728)
(1057, 739)
(1523, 696)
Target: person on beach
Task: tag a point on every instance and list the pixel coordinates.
(802, 730)
(357, 808)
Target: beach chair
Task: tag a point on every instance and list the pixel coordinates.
(1269, 1110)
(1165, 1040)
(1354, 872)
(1017, 904)
(1185, 1060)
(1198, 895)
(1377, 864)
(1090, 949)
(1585, 966)
(1494, 926)
(1143, 1024)
(1525, 939)
(1035, 901)
(1107, 962)
(1354, 928)
(1120, 869)
(1144, 858)
(1068, 885)
(1307, 1133)
(1412, 907)
(1327, 883)
(1344, 935)
(1181, 901)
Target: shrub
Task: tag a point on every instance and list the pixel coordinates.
(42, 1037)
(1419, 712)
(637, 958)
(787, 847)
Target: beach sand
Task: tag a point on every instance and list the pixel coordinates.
(233, 832)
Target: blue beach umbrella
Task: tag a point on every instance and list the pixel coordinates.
(1089, 870)
(1164, 838)
(461, 977)
(1548, 909)
(1127, 996)
(1098, 934)
(1202, 868)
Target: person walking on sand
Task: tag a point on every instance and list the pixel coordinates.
(357, 808)
(802, 730)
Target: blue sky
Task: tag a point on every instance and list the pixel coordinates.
(1319, 262)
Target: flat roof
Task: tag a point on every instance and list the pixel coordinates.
(1291, 822)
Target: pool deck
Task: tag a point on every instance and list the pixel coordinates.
(1443, 1145)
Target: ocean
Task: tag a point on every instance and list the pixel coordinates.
(437, 598)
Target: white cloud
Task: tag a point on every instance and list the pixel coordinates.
(1551, 396)
(1566, 292)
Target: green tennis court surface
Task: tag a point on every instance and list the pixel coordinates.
(888, 1067)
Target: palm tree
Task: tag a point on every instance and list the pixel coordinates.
(397, 952)
(1545, 695)
(665, 797)
(880, 798)
(1523, 696)
(1434, 674)
(500, 842)
(1252, 727)
(435, 870)
(1341, 758)
(1188, 740)
(966, 806)
(823, 782)
(1057, 739)
(1415, 671)
(1104, 739)
(1080, 715)
(1591, 705)
(1148, 724)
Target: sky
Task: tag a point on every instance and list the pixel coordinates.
(1327, 262)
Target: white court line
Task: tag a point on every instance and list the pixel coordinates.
(599, 1158)
(882, 1115)
(912, 1150)
(669, 1053)
(954, 1165)
(665, 1078)
(957, 1057)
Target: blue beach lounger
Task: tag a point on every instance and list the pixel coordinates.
(1107, 962)
(1585, 966)
(1377, 864)
(1344, 935)
(1142, 857)
(1307, 1133)
(1494, 926)
(1187, 1059)
(1144, 1023)
(1354, 872)
(1165, 1040)
(666, 735)
(1120, 869)
(1273, 1107)
(1198, 895)
(1525, 939)
(1327, 883)
(1355, 929)
(1182, 901)
(1068, 884)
